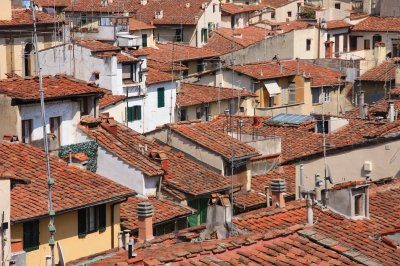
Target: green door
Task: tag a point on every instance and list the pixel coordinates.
(201, 206)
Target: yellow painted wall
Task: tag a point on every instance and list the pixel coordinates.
(5, 10)
(12, 54)
(72, 246)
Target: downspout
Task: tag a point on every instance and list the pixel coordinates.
(113, 220)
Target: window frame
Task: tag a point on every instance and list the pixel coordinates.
(160, 103)
(58, 120)
(291, 89)
(130, 72)
(289, 14)
(85, 219)
(32, 241)
(367, 44)
(204, 35)
(308, 44)
(30, 125)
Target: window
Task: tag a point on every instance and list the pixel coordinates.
(308, 44)
(201, 206)
(327, 94)
(345, 40)
(179, 35)
(160, 97)
(200, 66)
(215, 8)
(183, 115)
(289, 14)
(376, 38)
(127, 72)
(55, 127)
(322, 127)
(104, 21)
(337, 5)
(395, 48)
(144, 40)
(292, 93)
(367, 44)
(273, 15)
(134, 113)
(31, 235)
(204, 35)
(28, 60)
(337, 42)
(27, 131)
(199, 112)
(353, 43)
(358, 205)
(271, 101)
(84, 106)
(316, 95)
(91, 219)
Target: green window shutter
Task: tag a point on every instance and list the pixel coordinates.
(82, 222)
(137, 112)
(31, 235)
(144, 40)
(193, 220)
(102, 217)
(203, 210)
(160, 97)
(129, 112)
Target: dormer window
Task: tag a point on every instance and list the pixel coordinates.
(358, 205)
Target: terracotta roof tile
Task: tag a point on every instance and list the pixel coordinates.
(233, 9)
(97, 46)
(116, 6)
(155, 76)
(165, 66)
(135, 25)
(275, 3)
(109, 99)
(268, 70)
(225, 40)
(164, 211)
(194, 94)
(386, 71)
(124, 58)
(180, 52)
(175, 12)
(215, 141)
(55, 87)
(23, 17)
(337, 24)
(380, 24)
(183, 175)
(52, 3)
(74, 188)
(292, 25)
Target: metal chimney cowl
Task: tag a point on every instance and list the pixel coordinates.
(278, 186)
(144, 209)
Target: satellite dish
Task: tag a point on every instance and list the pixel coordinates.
(60, 255)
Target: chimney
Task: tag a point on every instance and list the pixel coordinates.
(391, 112)
(143, 2)
(5, 11)
(317, 190)
(379, 53)
(267, 195)
(397, 77)
(278, 189)
(187, 5)
(10, 138)
(145, 216)
(109, 124)
(361, 105)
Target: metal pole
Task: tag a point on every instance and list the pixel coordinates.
(50, 181)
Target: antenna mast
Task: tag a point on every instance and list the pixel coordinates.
(50, 181)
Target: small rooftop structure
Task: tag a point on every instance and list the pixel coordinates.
(289, 119)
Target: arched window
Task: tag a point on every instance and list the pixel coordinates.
(376, 38)
(28, 62)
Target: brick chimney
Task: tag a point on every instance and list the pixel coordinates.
(278, 189)
(109, 124)
(5, 11)
(144, 212)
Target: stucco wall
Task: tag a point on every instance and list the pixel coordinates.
(73, 247)
(207, 17)
(117, 111)
(348, 166)
(9, 119)
(5, 210)
(70, 117)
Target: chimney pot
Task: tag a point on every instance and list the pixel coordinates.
(278, 189)
(391, 112)
(144, 212)
(310, 213)
(361, 105)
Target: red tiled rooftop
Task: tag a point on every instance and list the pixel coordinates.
(379, 24)
(215, 141)
(109, 99)
(165, 66)
(23, 17)
(155, 76)
(97, 46)
(225, 40)
(55, 87)
(337, 24)
(292, 25)
(53, 3)
(74, 188)
(233, 9)
(275, 3)
(268, 70)
(193, 94)
(386, 71)
(116, 6)
(164, 211)
(123, 58)
(175, 12)
(135, 25)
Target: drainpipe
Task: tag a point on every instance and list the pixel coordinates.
(310, 213)
(301, 180)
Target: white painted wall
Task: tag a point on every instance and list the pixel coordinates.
(117, 111)
(5, 209)
(348, 166)
(152, 116)
(207, 17)
(70, 117)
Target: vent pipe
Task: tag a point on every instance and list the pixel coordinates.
(267, 194)
(126, 235)
(310, 212)
(391, 112)
(318, 183)
(278, 189)
(301, 180)
(145, 212)
(361, 104)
